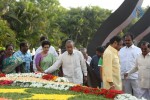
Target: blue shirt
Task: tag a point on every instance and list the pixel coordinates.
(27, 58)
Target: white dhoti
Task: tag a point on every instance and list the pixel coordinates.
(145, 93)
(131, 86)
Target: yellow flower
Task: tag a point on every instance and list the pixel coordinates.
(13, 90)
(55, 77)
(50, 96)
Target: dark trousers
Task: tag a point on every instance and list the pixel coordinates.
(93, 80)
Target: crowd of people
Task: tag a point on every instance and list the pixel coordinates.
(114, 66)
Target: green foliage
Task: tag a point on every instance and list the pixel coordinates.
(29, 19)
(6, 34)
(81, 23)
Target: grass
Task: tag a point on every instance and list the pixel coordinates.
(30, 91)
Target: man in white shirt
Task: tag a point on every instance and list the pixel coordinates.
(143, 67)
(86, 57)
(88, 61)
(73, 64)
(128, 55)
(51, 50)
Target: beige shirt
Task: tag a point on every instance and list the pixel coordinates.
(73, 66)
(143, 68)
(111, 68)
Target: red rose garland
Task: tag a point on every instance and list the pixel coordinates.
(88, 90)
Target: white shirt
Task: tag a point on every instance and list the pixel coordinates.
(143, 68)
(51, 50)
(73, 66)
(88, 61)
(127, 60)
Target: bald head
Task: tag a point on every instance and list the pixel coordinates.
(70, 46)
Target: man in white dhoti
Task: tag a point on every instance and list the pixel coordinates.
(128, 55)
(143, 67)
(73, 64)
(51, 50)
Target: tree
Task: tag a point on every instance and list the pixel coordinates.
(80, 24)
(6, 34)
(33, 18)
(27, 20)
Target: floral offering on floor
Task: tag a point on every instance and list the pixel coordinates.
(48, 81)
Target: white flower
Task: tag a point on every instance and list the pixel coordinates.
(61, 79)
(126, 97)
(37, 75)
(35, 80)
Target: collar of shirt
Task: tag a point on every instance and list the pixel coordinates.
(72, 52)
(113, 49)
(132, 46)
(148, 54)
(22, 53)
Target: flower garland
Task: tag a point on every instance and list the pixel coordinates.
(36, 75)
(49, 85)
(48, 77)
(88, 90)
